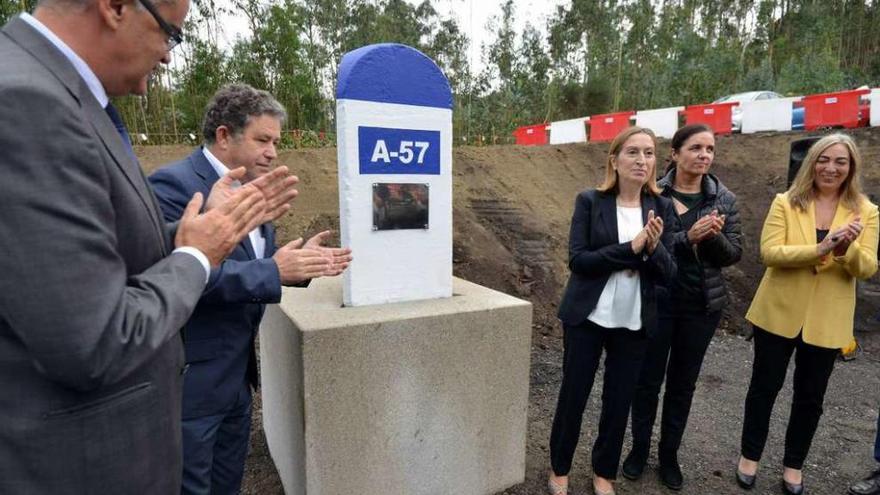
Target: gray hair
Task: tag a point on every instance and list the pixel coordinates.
(234, 105)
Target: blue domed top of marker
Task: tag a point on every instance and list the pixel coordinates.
(392, 73)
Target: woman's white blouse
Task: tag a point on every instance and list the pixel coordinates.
(620, 304)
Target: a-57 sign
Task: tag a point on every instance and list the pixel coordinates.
(384, 150)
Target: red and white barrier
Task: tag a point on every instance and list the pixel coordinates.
(604, 127)
(663, 121)
(531, 135)
(766, 115)
(875, 107)
(569, 131)
(839, 109)
(715, 115)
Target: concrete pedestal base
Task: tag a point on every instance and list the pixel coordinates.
(424, 397)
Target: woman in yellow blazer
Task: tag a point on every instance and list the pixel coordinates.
(818, 238)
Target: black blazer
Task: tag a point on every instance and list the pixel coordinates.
(594, 253)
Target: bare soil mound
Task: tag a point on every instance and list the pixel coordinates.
(512, 210)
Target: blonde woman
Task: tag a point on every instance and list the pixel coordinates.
(619, 251)
(818, 238)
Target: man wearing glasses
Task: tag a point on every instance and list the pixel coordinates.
(94, 286)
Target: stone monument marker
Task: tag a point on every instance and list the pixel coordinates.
(394, 132)
(418, 383)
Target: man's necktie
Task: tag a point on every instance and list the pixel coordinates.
(120, 127)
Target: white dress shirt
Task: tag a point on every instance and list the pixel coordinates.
(100, 94)
(258, 242)
(620, 304)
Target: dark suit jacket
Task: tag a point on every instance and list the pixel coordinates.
(91, 302)
(594, 253)
(220, 334)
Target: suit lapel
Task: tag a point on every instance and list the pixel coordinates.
(46, 53)
(130, 168)
(648, 204)
(269, 233)
(248, 247)
(203, 168)
(842, 216)
(807, 222)
(608, 216)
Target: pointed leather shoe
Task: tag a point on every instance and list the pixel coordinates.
(867, 486)
(670, 475)
(556, 489)
(792, 489)
(634, 465)
(745, 481)
(597, 491)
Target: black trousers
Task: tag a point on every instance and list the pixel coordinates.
(675, 354)
(812, 369)
(624, 351)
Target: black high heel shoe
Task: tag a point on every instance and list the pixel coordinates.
(792, 489)
(745, 481)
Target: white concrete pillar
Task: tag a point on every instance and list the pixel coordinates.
(394, 146)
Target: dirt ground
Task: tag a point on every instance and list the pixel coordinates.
(512, 210)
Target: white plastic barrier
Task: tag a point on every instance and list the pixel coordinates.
(569, 131)
(663, 121)
(766, 115)
(875, 107)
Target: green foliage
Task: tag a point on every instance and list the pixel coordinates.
(815, 72)
(759, 77)
(597, 56)
(9, 8)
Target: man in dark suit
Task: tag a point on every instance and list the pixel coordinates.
(95, 286)
(242, 127)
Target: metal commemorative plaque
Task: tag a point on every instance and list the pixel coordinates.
(399, 206)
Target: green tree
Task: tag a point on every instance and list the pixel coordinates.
(9, 8)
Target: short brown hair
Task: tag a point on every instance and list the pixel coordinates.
(234, 105)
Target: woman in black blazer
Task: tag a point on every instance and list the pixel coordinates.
(619, 252)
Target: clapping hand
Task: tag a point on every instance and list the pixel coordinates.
(297, 264)
(339, 257)
(649, 236)
(839, 241)
(299, 261)
(706, 227)
(654, 227)
(216, 232)
(277, 188)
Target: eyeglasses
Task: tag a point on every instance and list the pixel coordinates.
(175, 34)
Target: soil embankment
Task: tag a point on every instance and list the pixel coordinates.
(512, 209)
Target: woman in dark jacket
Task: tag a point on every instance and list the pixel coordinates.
(618, 254)
(709, 240)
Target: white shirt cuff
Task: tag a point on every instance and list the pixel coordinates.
(199, 256)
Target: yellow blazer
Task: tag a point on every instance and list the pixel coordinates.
(801, 291)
